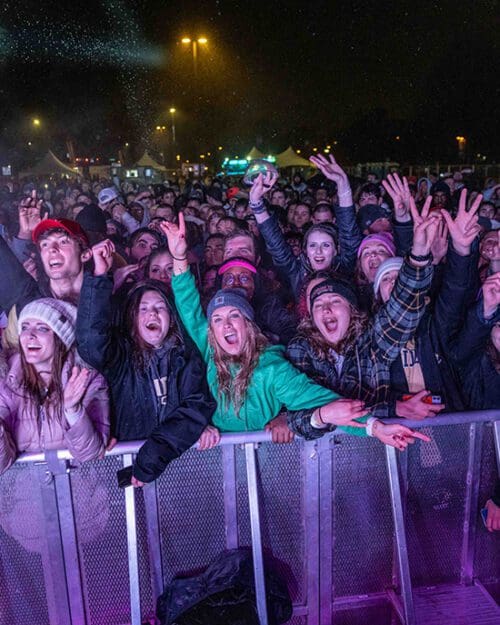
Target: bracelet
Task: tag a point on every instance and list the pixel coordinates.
(320, 417)
(421, 259)
(257, 208)
(175, 258)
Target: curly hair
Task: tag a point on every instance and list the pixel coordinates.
(358, 323)
(233, 388)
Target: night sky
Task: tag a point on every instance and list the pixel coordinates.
(105, 73)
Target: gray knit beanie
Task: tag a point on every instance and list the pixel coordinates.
(231, 297)
(58, 315)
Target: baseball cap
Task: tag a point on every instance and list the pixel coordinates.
(73, 228)
(107, 194)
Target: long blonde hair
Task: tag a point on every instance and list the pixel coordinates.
(232, 389)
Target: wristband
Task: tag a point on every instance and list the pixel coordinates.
(175, 257)
(421, 259)
(369, 425)
(258, 207)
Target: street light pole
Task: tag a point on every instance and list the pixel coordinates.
(194, 48)
(172, 112)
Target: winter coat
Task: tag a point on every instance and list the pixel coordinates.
(274, 382)
(30, 427)
(167, 402)
(436, 332)
(480, 379)
(295, 269)
(365, 365)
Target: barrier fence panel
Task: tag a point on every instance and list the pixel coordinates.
(77, 550)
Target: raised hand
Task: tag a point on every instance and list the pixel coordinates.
(464, 228)
(279, 429)
(176, 237)
(333, 171)
(425, 227)
(75, 388)
(121, 274)
(102, 253)
(343, 412)
(261, 186)
(29, 215)
(439, 247)
(395, 435)
(400, 193)
(491, 295)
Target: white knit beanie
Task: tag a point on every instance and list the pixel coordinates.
(58, 315)
(391, 264)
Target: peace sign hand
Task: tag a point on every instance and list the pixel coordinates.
(464, 228)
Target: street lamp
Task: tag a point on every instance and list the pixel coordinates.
(172, 113)
(194, 47)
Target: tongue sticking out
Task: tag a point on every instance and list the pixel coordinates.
(232, 339)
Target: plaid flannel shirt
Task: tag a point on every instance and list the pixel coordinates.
(365, 372)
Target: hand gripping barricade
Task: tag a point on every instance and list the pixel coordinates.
(359, 530)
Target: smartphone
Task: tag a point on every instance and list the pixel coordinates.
(124, 476)
(429, 399)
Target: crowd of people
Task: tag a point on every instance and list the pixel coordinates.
(172, 313)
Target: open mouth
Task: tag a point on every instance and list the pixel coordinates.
(152, 326)
(330, 325)
(54, 264)
(374, 264)
(231, 338)
(33, 348)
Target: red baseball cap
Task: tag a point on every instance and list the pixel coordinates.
(73, 228)
(232, 191)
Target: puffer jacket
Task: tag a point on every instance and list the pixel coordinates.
(25, 426)
(168, 403)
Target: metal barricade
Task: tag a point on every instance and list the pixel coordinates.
(361, 534)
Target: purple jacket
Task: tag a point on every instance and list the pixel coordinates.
(25, 426)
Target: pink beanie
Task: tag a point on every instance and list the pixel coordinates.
(381, 238)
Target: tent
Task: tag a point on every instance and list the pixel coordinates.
(290, 158)
(148, 162)
(50, 165)
(254, 153)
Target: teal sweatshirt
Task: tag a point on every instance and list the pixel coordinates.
(275, 381)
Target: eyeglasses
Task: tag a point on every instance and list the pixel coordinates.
(228, 279)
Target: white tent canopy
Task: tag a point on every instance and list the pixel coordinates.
(290, 158)
(254, 153)
(147, 160)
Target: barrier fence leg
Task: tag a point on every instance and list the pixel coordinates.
(310, 499)
(471, 503)
(154, 541)
(258, 558)
(496, 427)
(133, 563)
(70, 548)
(400, 532)
(230, 498)
(325, 520)
(53, 556)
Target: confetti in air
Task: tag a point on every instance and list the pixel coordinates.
(123, 47)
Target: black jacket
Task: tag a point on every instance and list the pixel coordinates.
(168, 402)
(435, 335)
